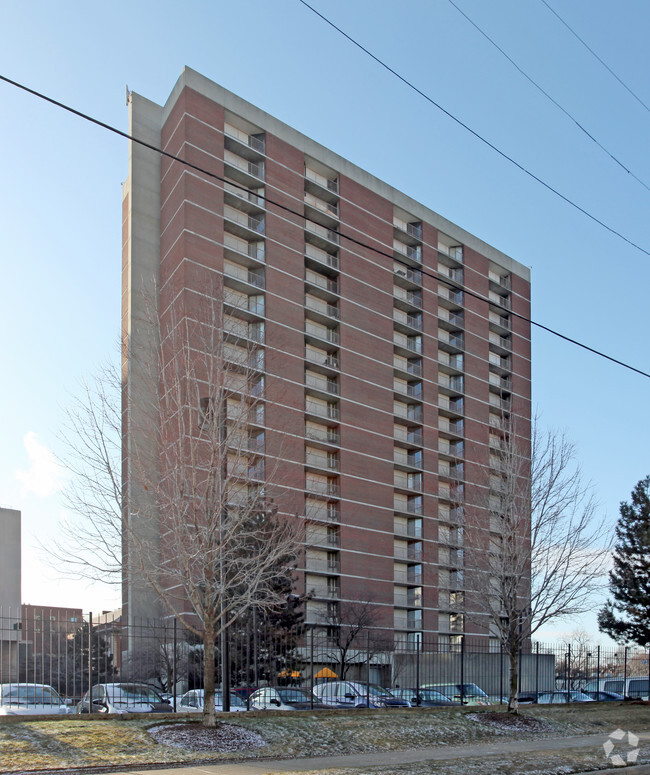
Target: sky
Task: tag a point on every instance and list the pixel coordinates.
(60, 198)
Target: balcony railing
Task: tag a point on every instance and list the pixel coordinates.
(322, 488)
(412, 275)
(414, 252)
(256, 169)
(328, 566)
(501, 280)
(318, 305)
(455, 274)
(245, 194)
(322, 231)
(256, 142)
(311, 251)
(322, 591)
(325, 512)
(331, 208)
(252, 249)
(322, 461)
(331, 184)
(326, 385)
(321, 281)
(327, 436)
(502, 301)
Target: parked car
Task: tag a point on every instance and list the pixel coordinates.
(423, 698)
(635, 687)
(22, 699)
(605, 696)
(244, 691)
(284, 698)
(352, 694)
(545, 698)
(527, 697)
(471, 694)
(124, 698)
(192, 702)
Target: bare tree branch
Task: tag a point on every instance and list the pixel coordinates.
(544, 553)
(203, 518)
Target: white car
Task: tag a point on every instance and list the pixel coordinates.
(22, 699)
(193, 702)
(124, 698)
(285, 698)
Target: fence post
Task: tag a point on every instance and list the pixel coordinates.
(90, 662)
(462, 669)
(501, 670)
(368, 669)
(568, 674)
(418, 649)
(597, 669)
(625, 694)
(255, 660)
(537, 671)
(174, 675)
(311, 668)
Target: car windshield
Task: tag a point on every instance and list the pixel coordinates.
(472, 690)
(469, 690)
(431, 694)
(377, 691)
(235, 700)
(131, 694)
(30, 695)
(294, 695)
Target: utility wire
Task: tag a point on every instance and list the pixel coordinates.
(501, 153)
(593, 53)
(548, 96)
(269, 201)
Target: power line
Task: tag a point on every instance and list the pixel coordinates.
(548, 97)
(269, 201)
(501, 153)
(591, 51)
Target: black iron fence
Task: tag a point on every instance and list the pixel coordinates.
(73, 652)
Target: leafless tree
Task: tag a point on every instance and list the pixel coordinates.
(543, 553)
(90, 546)
(202, 523)
(353, 634)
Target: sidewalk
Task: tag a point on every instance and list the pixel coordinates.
(388, 758)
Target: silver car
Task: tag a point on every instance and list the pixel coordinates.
(124, 698)
(193, 702)
(22, 699)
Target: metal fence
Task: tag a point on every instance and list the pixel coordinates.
(71, 652)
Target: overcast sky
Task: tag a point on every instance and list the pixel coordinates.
(60, 215)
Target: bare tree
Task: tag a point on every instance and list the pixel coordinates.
(201, 520)
(543, 553)
(90, 546)
(353, 636)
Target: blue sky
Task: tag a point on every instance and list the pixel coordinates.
(60, 219)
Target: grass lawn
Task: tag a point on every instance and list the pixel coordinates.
(75, 742)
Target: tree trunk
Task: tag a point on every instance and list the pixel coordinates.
(209, 715)
(513, 705)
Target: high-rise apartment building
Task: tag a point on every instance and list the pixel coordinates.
(388, 341)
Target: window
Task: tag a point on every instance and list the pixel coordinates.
(414, 481)
(414, 504)
(256, 304)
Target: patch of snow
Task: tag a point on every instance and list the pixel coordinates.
(509, 722)
(224, 737)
